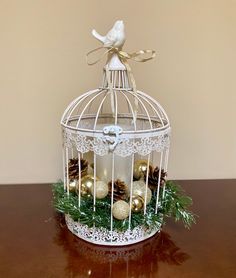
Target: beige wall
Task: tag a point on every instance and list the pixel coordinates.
(42, 68)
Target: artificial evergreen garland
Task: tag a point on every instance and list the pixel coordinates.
(175, 205)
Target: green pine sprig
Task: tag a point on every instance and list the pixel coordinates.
(175, 204)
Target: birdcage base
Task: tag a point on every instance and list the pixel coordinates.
(102, 236)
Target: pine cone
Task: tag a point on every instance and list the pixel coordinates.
(119, 191)
(153, 178)
(73, 168)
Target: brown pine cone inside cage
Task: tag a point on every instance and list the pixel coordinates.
(153, 178)
(73, 168)
(120, 190)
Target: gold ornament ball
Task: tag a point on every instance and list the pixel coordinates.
(140, 168)
(139, 189)
(101, 189)
(120, 210)
(73, 185)
(137, 203)
(87, 183)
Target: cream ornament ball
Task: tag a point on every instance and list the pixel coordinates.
(120, 210)
(101, 189)
(139, 189)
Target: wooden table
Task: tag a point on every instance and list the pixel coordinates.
(35, 243)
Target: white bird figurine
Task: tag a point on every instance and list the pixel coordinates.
(114, 38)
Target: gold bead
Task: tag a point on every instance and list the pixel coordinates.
(139, 189)
(120, 210)
(140, 168)
(137, 203)
(101, 189)
(87, 183)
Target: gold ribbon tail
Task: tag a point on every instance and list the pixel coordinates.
(99, 58)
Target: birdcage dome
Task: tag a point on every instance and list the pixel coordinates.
(121, 114)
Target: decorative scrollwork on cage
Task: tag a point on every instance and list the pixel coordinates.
(122, 146)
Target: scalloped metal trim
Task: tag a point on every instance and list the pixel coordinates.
(126, 146)
(103, 236)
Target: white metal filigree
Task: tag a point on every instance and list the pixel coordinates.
(122, 146)
(105, 237)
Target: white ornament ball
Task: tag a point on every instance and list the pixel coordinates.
(139, 189)
(120, 210)
(101, 189)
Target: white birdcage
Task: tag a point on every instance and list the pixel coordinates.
(115, 140)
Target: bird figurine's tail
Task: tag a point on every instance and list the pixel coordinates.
(98, 36)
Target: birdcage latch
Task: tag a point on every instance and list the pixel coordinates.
(112, 135)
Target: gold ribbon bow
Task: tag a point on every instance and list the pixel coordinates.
(135, 56)
(124, 56)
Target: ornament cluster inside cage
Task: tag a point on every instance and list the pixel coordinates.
(115, 154)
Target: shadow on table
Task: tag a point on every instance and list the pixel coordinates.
(138, 260)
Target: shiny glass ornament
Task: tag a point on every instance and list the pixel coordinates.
(137, 203)
(140, 168)
(87, 183)
(73, 185)
(139, 189)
